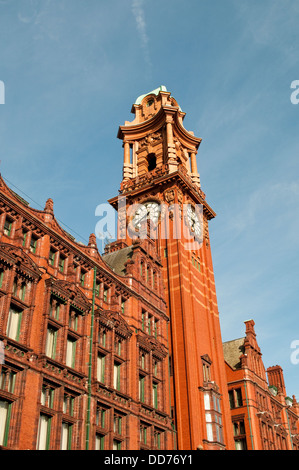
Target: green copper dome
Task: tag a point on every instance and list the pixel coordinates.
(154, 92)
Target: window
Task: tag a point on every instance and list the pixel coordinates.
(122, 306)
(33, 244)
(155, 367)
(206, 372)
(47, 396)
(1, 277)
(116, 445)
(74, 319)
(61, 263)
(116, 376)
(7, 227)
(143, 434)
(24, 237)
(157, 439)
(149, 324)
(213, 417)
(105, 294)
(70, 352)
(100, 442)
(5, 410)
(82, 277)
(117, 424)
(152, 161)
(143, 316)
(147, 274)
(68, 404)
(155, 395)
(66, 436)
(101, 368)
(44, 429)
(14, 323)
(118, 346)
(239, 400)
(142, 360)
(239, 435)
(55, 307)
(97, 289)
(51, 342)
(206, 368)
(101, 416)
(156, 325)
(235, 398)
(52, 254)
(141, 388)
(102, 337)
(196, 263)
(239, 428)
(7, 379)
(19, 288)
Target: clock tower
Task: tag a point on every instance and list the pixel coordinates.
(161, 198)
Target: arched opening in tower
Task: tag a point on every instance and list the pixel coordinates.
(151, 162)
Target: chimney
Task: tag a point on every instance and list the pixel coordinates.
(275, 378)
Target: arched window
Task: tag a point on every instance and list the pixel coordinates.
(151, 162)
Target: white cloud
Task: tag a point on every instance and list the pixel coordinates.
(138, 12)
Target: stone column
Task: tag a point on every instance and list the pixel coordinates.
(172, 161)
(194, 171)
(128, 167)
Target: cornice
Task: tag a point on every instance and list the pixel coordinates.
(176, 176)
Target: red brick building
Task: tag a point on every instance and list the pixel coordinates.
(58, 389)
(263, 416)
(121, 350)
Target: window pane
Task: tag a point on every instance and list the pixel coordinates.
(116, 445)
(116, 377)
(43, 432)
(141, 389)
(13, 324)
(70, 352)
(51, 343)
(66, 436)
(209, 432)
(4, 406)
(207, 401)
(155, 395)
(101, 369)
(100, 442)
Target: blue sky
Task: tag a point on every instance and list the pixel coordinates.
(72, 70)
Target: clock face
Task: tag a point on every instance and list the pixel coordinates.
(148, 211)
(193, 221)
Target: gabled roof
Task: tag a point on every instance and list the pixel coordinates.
(117, 259)
(232, 351)
(16, 255)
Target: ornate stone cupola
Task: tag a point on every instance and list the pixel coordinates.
(156, 140)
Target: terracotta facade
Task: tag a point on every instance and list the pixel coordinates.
(58, 389)
(263, 416)
(123, 350)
